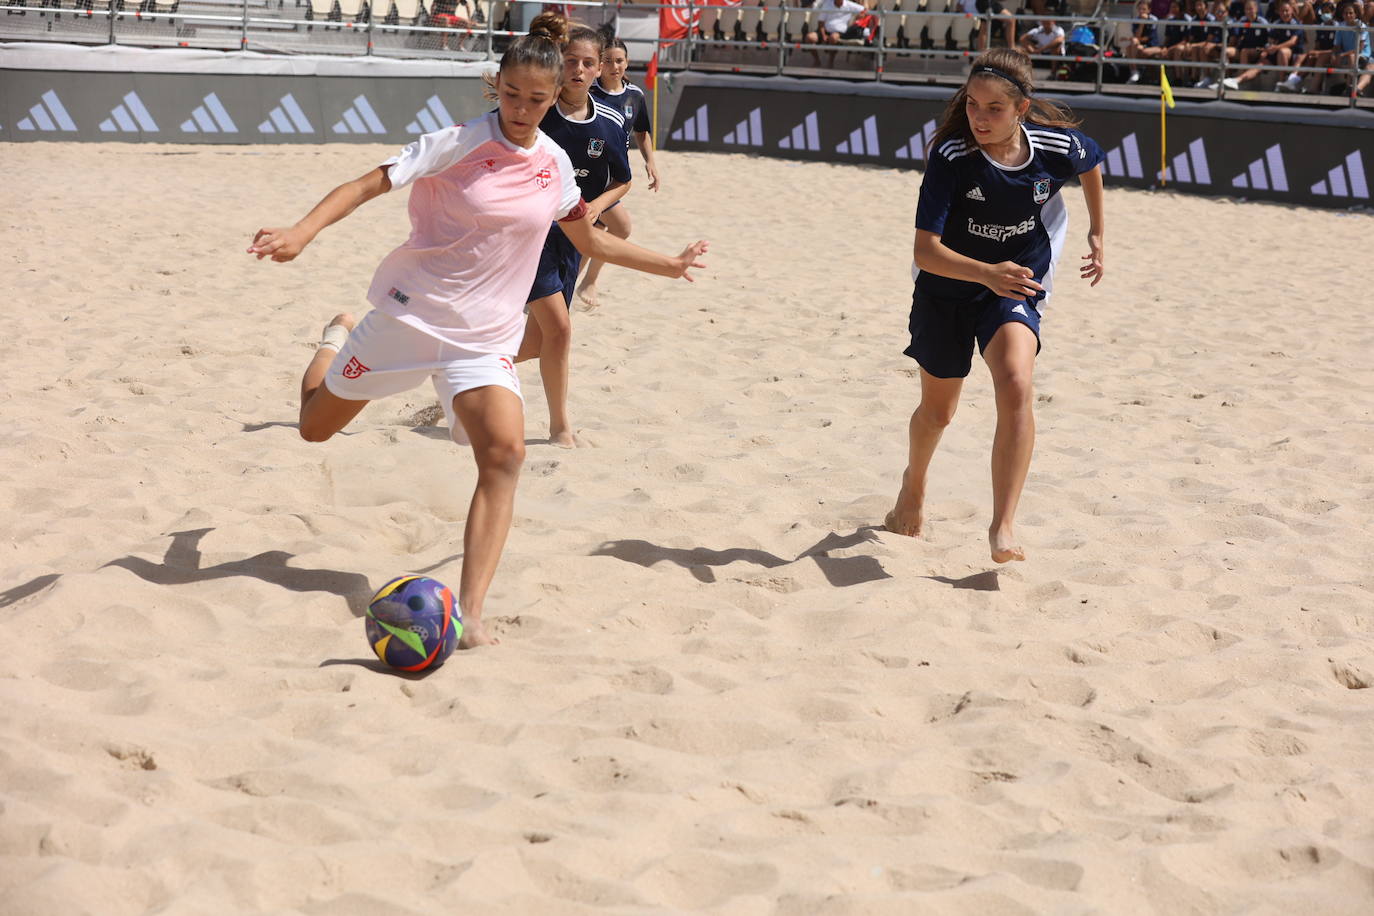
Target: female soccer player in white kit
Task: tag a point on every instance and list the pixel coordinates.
(989, 226)
(448, 304)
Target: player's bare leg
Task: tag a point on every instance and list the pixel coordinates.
(494, 419)
(617, 223)
(548, 338)
(1011, 360)
(939, 399)
(323, 413)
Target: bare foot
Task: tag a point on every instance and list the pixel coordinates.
(565, 439)
(905, 523)
(1004, 547)
(474, 635)
(586, 294)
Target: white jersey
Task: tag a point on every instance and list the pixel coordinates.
(480, 207)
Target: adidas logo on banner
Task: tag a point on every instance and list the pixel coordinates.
(863, 140)
(1190, 167)
(48, 114)
(209, 117)
(120, 120)
(916, 147)
(277, 120)
(693, 130)
(806, 135)
(1335, 183)
(1256, 178)
(1130, 167)
(748, 132)
(434, 116)
(359, 118)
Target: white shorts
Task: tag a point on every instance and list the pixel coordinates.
(384, 355)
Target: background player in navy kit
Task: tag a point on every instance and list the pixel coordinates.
(989, 226)
(593, 136)
(614, 90)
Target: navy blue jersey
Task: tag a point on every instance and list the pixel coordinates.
(1249, 34)
(1148, 32)
(596, 147)
(1278, 34)
(1199, 31)
(994, 213)
(630, 102)
(1176, 30)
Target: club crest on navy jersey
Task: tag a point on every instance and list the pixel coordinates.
(595, 147)
(1041, 192)
(629, 111)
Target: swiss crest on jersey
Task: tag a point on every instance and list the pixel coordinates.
(543, 177)
(1041, 191)
(595, 147)
(629, 110)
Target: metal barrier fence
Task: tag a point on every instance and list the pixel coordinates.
(908, 41)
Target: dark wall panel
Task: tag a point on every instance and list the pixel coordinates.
(1315, 158)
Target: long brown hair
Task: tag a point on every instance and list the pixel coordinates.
(541, 49)
(1015, 77)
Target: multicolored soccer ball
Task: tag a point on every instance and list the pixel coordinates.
(413, 623)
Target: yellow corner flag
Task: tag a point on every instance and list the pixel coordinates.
(1166, 97)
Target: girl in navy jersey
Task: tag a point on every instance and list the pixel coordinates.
(614, 90)
(989, 226)
(448, 303)
(593, 136)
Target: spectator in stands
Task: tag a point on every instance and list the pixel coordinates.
(980, 8)
(1352, 47)
(1144, 41)
(1046, 38)
(1246, 39)
(835, 22)
(1320, 54)
(1195, 40)
(450, 14)
(1210, 49)
(1284, 40)
(1176, 34)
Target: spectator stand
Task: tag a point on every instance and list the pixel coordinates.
(910, 41)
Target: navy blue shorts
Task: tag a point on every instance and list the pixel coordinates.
(943, 331)
(558, 265)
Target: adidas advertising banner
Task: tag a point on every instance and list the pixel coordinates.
(1319, 158)
(229, 108)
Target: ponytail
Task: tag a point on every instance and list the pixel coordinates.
(541, 49)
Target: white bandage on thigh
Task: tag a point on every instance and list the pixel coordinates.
(333, 337)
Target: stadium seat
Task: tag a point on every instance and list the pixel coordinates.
(407, 11)
(706, 23)
(796, 24)
(938, 26)
(893, 20)
(749, 18)
(729, 16)
(770, 26)
(962, 30)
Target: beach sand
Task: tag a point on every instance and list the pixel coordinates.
(722, 687)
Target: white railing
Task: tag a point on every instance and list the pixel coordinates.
(931, 41)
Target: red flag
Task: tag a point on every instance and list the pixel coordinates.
(674, 21)
(651, 72)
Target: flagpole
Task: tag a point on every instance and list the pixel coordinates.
(1165, 96)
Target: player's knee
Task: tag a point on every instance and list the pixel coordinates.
(505, 456)
(314, 432)
(937, 417)
(1015, 387)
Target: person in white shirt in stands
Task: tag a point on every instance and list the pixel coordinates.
(1046, 38)
(835, 20)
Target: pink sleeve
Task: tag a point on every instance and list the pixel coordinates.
(431, 154)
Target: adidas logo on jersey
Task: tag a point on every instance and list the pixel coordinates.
(976, 193)
(1021, 310)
